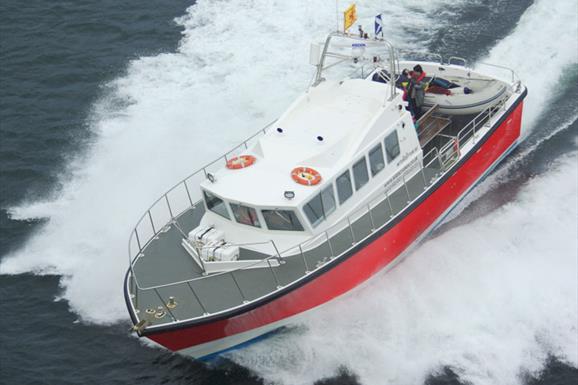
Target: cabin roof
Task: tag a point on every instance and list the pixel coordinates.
(323, 129)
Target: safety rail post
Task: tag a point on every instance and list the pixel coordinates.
(188, 192)
(353, 242)
(371, 217)
(425, 183)
(329, 243)
(277, 251)
(304, 260)
(389, 204)
(151, 220)
(137, 240)
(238, 287)
(205, 312)
(169, 206)
(273, 272)
(165, 305)
(406, 189)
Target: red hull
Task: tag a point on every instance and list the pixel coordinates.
(366, 261)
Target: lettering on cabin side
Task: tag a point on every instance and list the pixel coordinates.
(406, 156)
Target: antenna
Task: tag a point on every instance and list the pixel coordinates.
(337, 15)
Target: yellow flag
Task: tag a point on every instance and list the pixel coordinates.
(349, 17)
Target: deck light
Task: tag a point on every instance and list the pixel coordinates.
(211, 177)
(320, 138)
(279, 130)
(289, 194)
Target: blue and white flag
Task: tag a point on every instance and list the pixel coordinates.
(378, 25)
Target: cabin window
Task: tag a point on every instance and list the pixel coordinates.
(320, 206)
(391, 146)
(216, 204)
(360, 174)
(314, 210)
(376, 162)
(344, 188)
(328, 200)
(282, 220)
(245, 215)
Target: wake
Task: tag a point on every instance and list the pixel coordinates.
(177, 111)
(496, 302)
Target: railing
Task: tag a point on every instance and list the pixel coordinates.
(321, 67)
(456, 60)
(469, 130)
(336, 240)
(349, 230)
(179, 199)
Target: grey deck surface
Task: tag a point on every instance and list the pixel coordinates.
(165, 261)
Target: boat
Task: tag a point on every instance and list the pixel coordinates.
(461, 95)
(335, 190)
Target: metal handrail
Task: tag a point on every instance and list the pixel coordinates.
(448, 147)
(278, 254)
(514, 77)
(513, 74)
(183, 182)
(461, 138)
(325, 53)
(344, 223)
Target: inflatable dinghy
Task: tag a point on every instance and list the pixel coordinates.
(463, 96)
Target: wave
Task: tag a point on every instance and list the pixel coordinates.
(238, 67)
(235, 69)
(492, 306)
(496, 303)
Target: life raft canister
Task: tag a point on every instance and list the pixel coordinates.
(240, 161)
(306, 176)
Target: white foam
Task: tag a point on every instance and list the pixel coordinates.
(236, 68)
(492, 305)
(540, 50)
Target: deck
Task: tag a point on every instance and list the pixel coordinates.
(171, 287)
(164, 261)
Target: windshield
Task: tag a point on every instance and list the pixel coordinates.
(216, 204)
(282, 220)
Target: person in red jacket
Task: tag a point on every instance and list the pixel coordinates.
(416, 91)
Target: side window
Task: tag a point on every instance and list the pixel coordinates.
(360, 174)
(391, 146)
(320, 206)
(245, 215)
(216, 204)
(282, 220)
(328, 200)
(344, 189)
(376, 162)
(314, 210)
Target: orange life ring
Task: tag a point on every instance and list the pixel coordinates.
(240, 161)
(306, 176)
